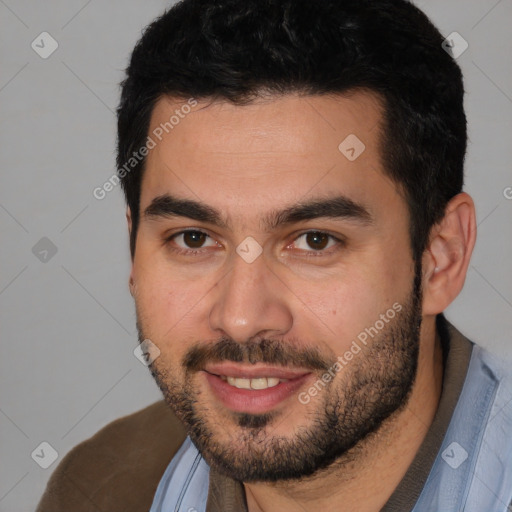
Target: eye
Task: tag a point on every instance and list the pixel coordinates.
(192, 239)
(315, 241)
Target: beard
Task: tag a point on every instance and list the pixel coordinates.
(375, 385)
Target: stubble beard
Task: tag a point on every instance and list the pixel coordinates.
(376, 384)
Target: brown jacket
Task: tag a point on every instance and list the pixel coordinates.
(118, 469)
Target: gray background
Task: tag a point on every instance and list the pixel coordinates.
(68, 323)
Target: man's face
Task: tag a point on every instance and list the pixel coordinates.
(255, 334)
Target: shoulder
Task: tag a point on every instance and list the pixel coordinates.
(498, 366)
(492, 441)
(476, 357)
(119, 467)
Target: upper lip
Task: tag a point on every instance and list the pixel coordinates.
(254, 371)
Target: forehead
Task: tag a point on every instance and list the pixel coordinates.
(274, 150)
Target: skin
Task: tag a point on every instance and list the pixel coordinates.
(248, 161)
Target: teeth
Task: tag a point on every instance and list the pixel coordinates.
(259, 383)
(262, 383)
(240, 383)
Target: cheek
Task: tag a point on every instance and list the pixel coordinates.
(160, 313)
(333, 314)
(360, 308)
(349, 303)
(166, 304)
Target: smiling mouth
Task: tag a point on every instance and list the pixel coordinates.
(256, 388)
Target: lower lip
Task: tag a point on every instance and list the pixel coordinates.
(254, 401)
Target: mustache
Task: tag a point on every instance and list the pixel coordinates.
(267, 351)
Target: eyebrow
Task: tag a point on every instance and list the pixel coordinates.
(339, 207)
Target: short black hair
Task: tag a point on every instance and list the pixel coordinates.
(237, 50)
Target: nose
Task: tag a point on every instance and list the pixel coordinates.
(250, 301)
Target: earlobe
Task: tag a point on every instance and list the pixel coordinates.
(446, 259)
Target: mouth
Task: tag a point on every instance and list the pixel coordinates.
(255, 389)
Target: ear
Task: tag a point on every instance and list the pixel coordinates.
(446, 259)
(129, 221)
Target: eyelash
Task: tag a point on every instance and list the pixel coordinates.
(340, 242)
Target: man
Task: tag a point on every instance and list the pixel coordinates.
(293, 172)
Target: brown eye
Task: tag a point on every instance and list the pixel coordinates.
(317, 240)
(191, 242)
(194, 239)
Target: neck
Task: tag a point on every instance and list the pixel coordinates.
(365, 477)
